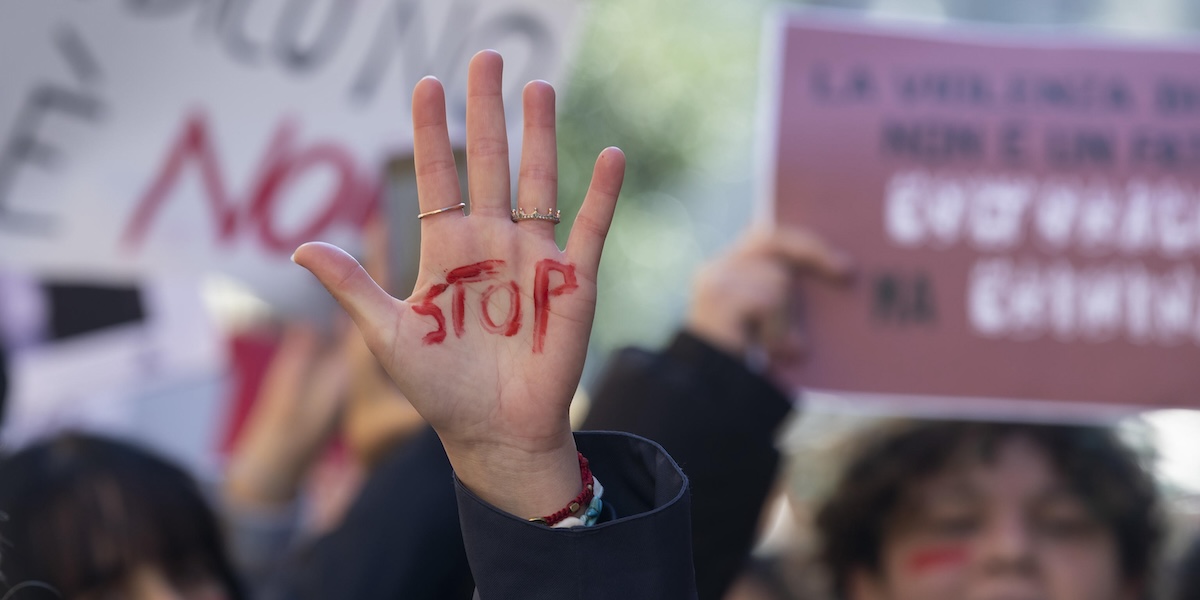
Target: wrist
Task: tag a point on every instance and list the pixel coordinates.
(576, 507)
(522, 480)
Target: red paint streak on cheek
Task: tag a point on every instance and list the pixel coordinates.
(941, 557)
(542, 292)
(512, 322)
(429, 309)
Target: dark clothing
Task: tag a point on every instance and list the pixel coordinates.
(718, 420)
(1187, 584)
(644, 553)
(396, 544)
(707, 409)
(399, 540)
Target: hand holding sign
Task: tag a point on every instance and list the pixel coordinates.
(1025, 229)
(741, 299)
(490, 346)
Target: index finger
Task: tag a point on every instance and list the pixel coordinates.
(433, 157)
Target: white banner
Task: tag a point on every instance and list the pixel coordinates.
(142, 136)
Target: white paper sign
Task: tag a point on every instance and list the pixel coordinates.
(140, 136)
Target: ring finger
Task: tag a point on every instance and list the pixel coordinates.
(537, 183)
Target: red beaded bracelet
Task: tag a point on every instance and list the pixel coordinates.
(582, 500)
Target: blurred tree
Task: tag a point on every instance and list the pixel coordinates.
(673, 83)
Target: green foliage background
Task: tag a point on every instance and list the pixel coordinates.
(673, 83)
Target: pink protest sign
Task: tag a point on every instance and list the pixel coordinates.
(1024, 211)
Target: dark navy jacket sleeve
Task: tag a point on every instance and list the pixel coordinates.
(644, 553)
(718, 419)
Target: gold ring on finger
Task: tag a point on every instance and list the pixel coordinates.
(551, 215)
(462, 205)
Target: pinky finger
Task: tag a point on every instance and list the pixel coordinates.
(595, 215)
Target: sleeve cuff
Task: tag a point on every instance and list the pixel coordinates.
(646, 548)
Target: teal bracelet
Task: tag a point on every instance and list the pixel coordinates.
(589, 516)
(593, 512)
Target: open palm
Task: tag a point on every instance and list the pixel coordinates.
(490, 346)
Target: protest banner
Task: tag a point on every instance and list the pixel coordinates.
(153, 143)
(149, 136)
(139, 361)
(1023, 211)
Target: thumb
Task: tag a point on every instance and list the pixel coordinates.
(371, 308)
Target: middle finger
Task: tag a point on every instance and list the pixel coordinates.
(487, 139)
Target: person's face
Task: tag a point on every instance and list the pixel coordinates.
(1006, 529)
(151, 582)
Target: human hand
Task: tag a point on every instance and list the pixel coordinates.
(740, 299)
(489, 348)
(293, 418)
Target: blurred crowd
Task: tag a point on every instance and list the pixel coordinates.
(337, 484)
(921, 510)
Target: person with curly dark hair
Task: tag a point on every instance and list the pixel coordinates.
(951, 510)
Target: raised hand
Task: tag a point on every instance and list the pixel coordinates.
(741, 300)
(490, 346)
(295, 415)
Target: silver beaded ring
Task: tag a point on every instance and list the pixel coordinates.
(554, 216)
